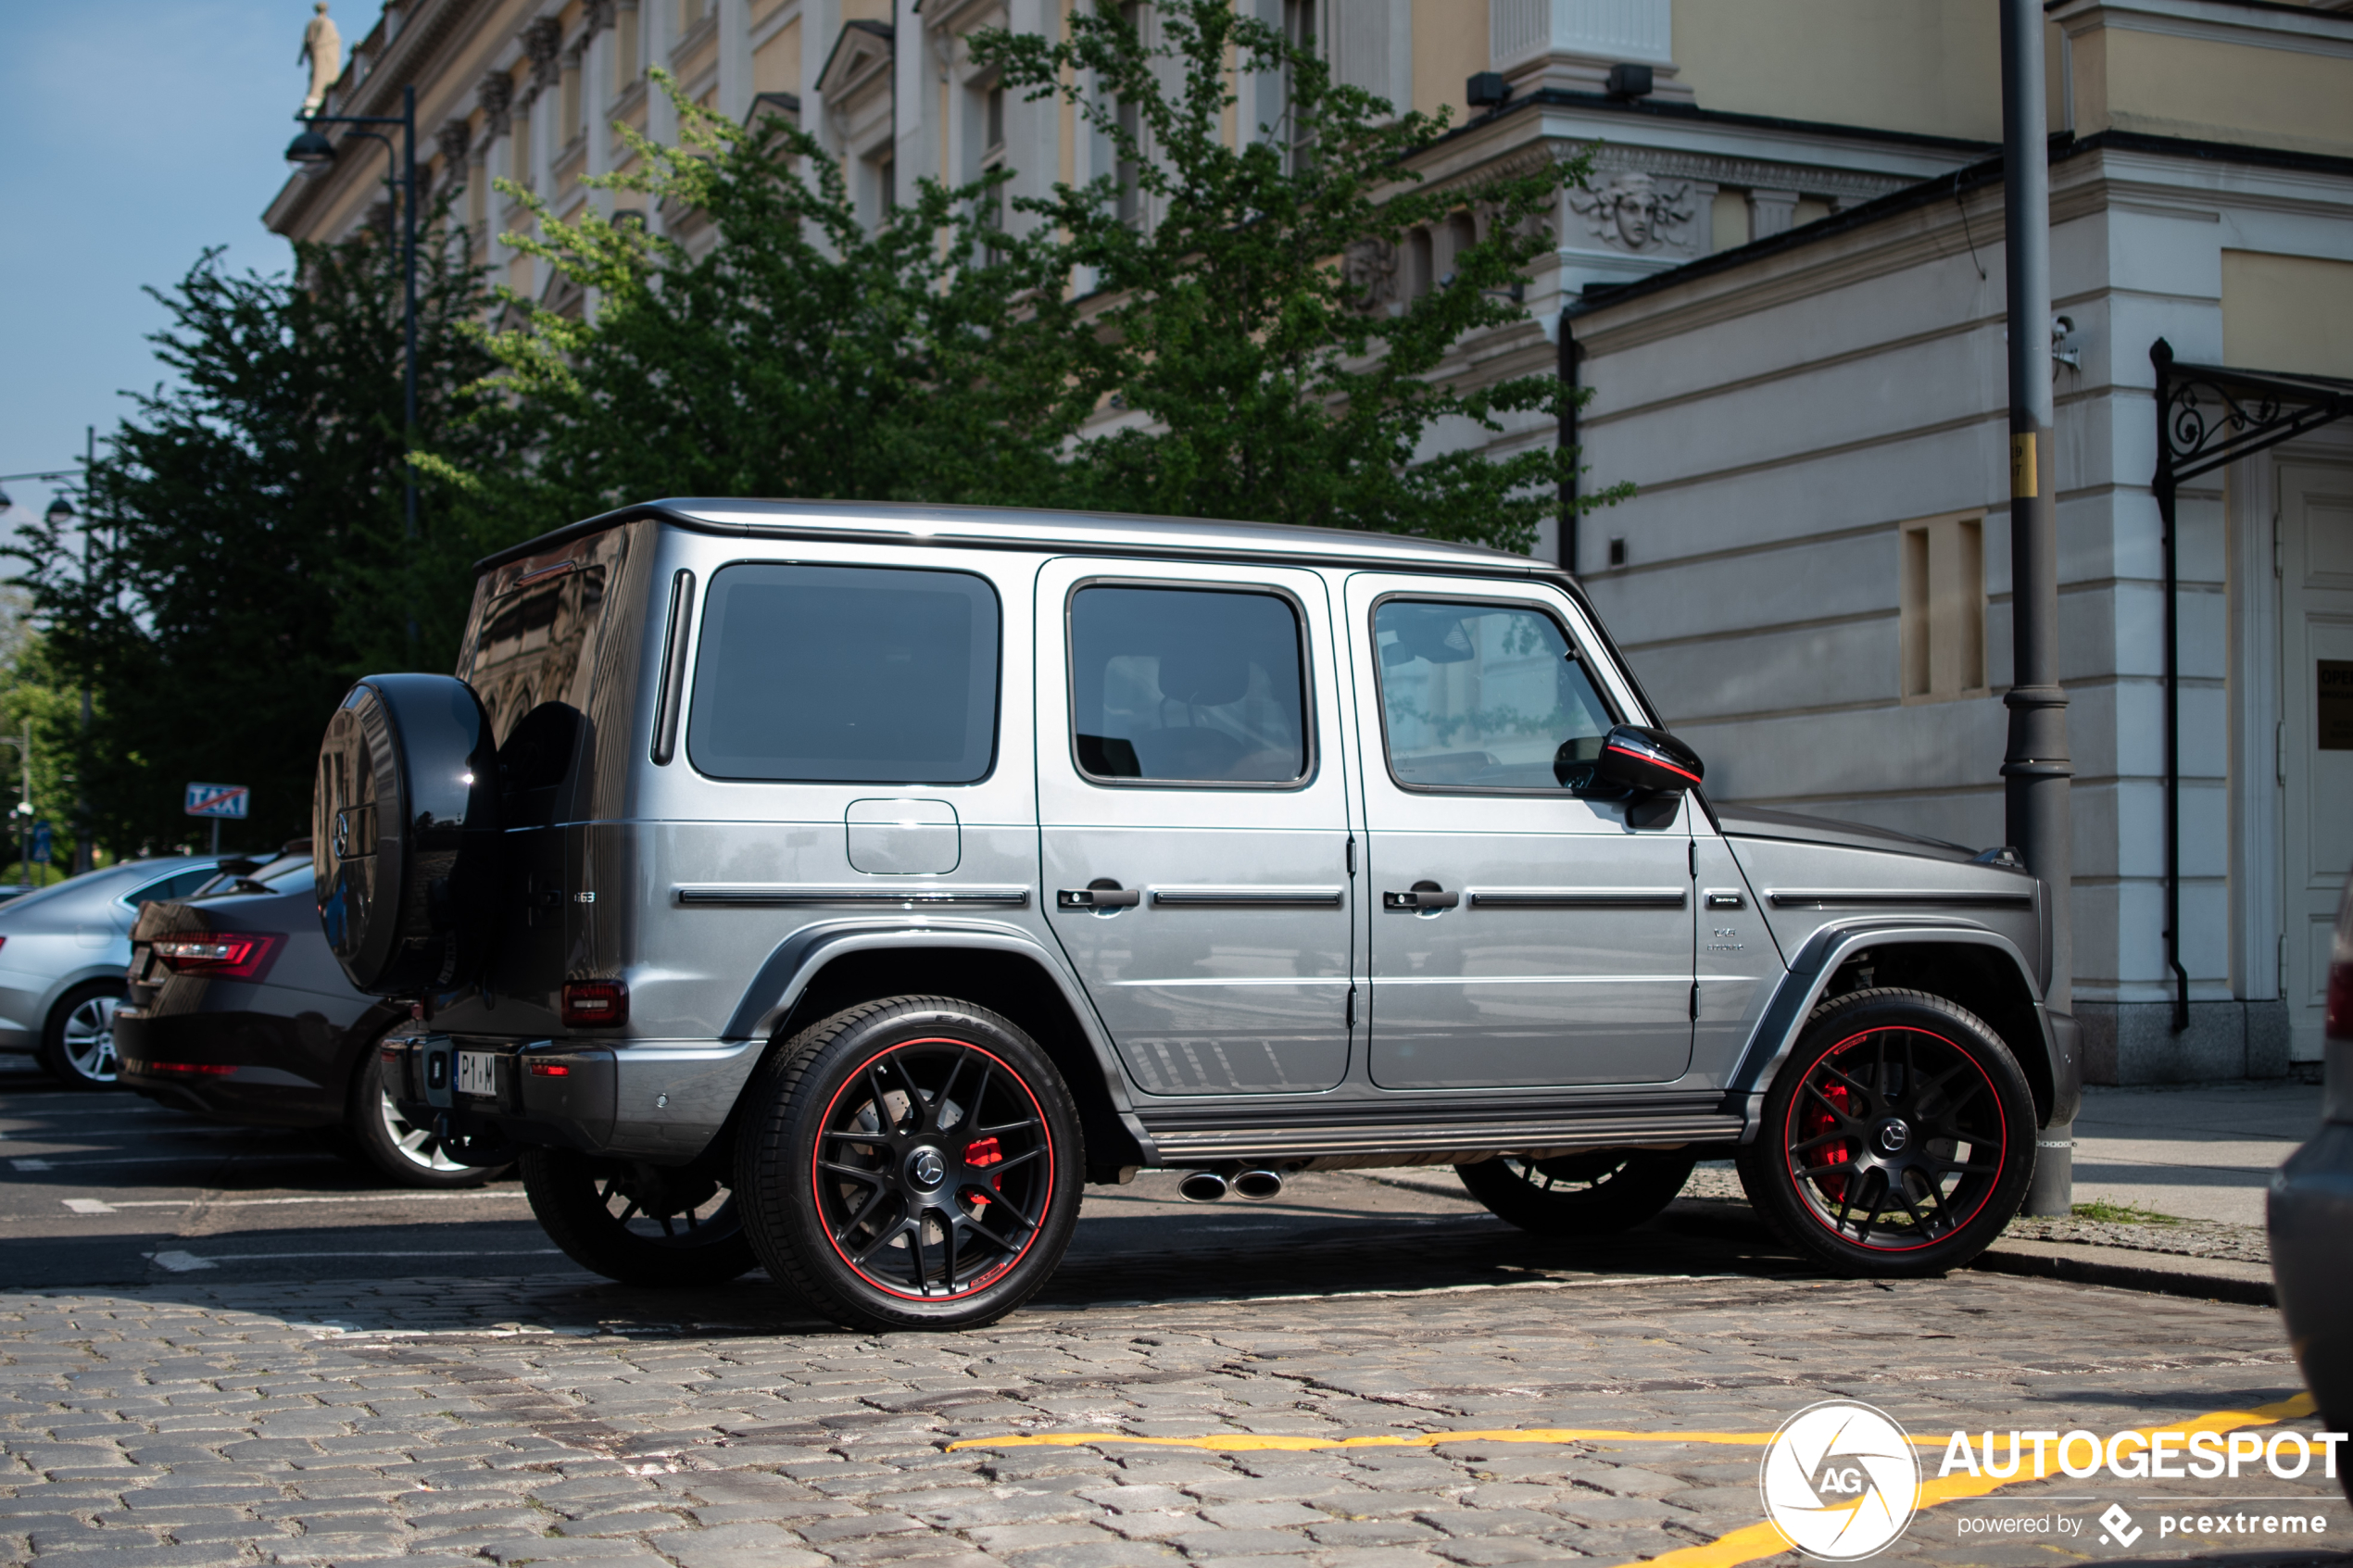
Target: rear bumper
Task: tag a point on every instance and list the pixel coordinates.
(556, 1094)
(204, 1062)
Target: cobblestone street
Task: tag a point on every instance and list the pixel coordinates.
(1607, 1403)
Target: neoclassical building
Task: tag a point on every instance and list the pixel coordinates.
(1783, 283)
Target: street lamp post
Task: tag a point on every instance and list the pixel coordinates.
(312, 151)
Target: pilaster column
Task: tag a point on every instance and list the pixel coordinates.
(1569, 46)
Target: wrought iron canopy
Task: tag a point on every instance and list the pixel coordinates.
(2209, 415)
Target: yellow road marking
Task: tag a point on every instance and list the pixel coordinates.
(1747, 1544)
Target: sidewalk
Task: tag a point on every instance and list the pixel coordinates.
(2203, 1152)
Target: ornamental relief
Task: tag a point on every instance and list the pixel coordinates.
(1634, 212)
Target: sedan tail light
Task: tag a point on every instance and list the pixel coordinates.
(230, 955)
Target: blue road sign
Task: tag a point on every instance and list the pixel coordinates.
(217, 800)
(43, 840)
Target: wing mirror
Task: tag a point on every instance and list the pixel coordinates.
(1646, 761)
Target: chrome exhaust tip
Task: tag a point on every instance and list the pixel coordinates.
(1202, 1187)
(1259, 1186)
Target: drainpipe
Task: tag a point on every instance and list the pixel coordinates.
(2035, 766)
(2167, 487)
(1565, 440)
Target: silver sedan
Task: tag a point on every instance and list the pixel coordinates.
(63, 953)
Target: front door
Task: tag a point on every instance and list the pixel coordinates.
(1521, 935)
(2316, 693)
(1193, 813)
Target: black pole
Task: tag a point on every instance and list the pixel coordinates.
(1567, 441)
(84, 857)
(2168, 494)
(409, 377)
(2035, 767)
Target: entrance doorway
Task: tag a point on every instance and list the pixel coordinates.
(2316, 738)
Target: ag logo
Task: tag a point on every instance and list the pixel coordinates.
(1840, 1481)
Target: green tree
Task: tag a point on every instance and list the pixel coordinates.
(804, 353)
(1269, 385)
(250, 555)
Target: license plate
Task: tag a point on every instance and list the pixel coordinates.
(478, 1074)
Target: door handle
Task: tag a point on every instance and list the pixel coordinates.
(1421, 896)
(1102, 894)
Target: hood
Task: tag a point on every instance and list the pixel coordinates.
(1749, 821)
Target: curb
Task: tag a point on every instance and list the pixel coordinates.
(2205, 1279)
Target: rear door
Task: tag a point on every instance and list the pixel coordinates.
(1194, 818)
(1521, 935)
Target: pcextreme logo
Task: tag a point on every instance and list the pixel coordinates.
(1840, 1481)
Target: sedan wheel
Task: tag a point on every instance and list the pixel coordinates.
(397, 1148)
(78, 1045)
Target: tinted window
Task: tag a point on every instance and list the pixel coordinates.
(824, 674)
(1481, 696)
(179, 884)
(1187, 686)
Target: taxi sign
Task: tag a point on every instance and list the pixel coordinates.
(217, 800)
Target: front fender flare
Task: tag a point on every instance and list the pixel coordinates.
(1818, 962)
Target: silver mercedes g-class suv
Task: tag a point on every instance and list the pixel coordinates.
(837, 887)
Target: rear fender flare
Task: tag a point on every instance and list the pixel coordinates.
(797, 961)
(1818, 963)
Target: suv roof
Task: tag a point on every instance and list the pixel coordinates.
(1025, 528)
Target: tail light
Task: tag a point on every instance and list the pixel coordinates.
(591, 1004)
(237, 955)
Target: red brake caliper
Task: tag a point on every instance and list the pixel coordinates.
(983, 1153)
(1814, 1123)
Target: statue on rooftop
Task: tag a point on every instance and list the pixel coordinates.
(322, 51)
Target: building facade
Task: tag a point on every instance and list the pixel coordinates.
(1783, 283)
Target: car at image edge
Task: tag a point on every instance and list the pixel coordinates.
(2311, 1212)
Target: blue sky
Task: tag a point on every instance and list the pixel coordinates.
(133, 133)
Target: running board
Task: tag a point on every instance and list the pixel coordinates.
(1192, 1146)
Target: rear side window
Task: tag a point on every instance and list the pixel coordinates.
(1187, 686)
(831, 674)
(537, 648)
(179, 884)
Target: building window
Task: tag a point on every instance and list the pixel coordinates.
(690, 12)
(1299, 27)
(1944, 607)
(1131, 132)
(886, 186)
(993, 158)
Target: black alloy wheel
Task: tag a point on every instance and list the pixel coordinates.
(1898, 1138)
(1589, 1194)
(910, 1163)
(638, 1223)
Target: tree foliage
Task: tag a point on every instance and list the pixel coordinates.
(793, 351)
(245, 555)
(1256, 376)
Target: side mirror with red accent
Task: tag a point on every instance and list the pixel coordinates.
(1646, 761)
